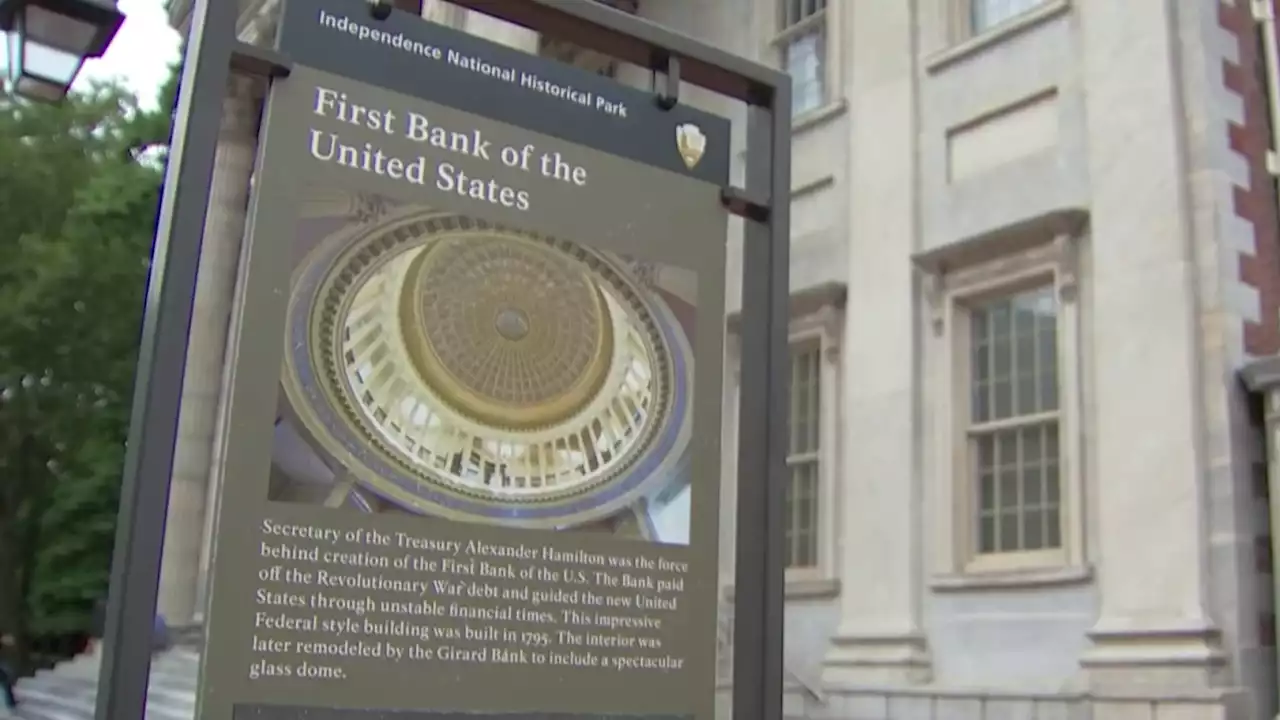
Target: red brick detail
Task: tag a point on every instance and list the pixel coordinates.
(1257, 203)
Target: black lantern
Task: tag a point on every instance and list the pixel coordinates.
(49, 40)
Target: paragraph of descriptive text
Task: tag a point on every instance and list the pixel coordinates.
(328, 601)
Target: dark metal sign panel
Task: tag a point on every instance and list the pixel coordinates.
(470, 73)
(473, 462)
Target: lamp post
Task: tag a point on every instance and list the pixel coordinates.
(47, 41)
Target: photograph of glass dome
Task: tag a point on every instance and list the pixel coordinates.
(441, 365)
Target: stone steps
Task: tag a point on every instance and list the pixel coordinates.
(68, 691)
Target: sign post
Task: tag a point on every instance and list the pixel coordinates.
(472, 466)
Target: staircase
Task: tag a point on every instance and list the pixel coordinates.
(68, 690)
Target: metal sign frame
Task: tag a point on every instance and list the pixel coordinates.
(214, 55)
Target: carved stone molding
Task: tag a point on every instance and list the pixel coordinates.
(1067, 249)
(1053, 238)
(242, 109)
(1004, 241)
(805, 302)
(935, 296)
(828, 318)
(258, 22)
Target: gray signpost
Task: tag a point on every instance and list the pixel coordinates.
(214, 54)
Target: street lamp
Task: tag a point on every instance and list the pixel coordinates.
(48, 40)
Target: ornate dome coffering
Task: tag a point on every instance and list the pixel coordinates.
(508, 330)
(463, 369)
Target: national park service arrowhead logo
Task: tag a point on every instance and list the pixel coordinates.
(691, 144)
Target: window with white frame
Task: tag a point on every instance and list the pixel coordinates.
(804, 433)
(987, 14)
(1013, 427)
(1007, 383)
(802, 44)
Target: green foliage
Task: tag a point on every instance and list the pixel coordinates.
(77, 218)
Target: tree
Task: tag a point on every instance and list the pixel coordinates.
(77, 220)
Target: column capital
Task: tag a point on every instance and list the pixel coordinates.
(242, 108)
(244, 89)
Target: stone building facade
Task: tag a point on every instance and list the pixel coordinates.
(1034, 246)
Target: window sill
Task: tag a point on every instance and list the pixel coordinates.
(1021, 578)
(997, 34)
(820, 115)
(806, 589)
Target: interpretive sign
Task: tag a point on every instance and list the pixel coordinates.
(472, 456)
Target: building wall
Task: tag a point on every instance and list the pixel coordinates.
(1009, 133)
(1003, 142)
(1120, 150)
(1249, 260)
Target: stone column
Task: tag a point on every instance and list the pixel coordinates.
(196, 464)
(1153, 625)
(878, 638)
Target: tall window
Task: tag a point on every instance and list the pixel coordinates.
(986, 14)
(802, 41)
(802, 456)
(1014, 420)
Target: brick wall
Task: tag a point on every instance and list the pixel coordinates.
(1256, 202)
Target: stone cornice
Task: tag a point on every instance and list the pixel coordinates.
(1261, 375)
(804, 302)
(1003, 241)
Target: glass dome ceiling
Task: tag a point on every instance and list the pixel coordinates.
(445, 357)
(492, 362)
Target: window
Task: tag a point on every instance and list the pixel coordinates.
(803, 433)
(1005, 391)
(802, 43)
(987, 14)
(809, 509)
(1013, 425)
(1006, 388)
